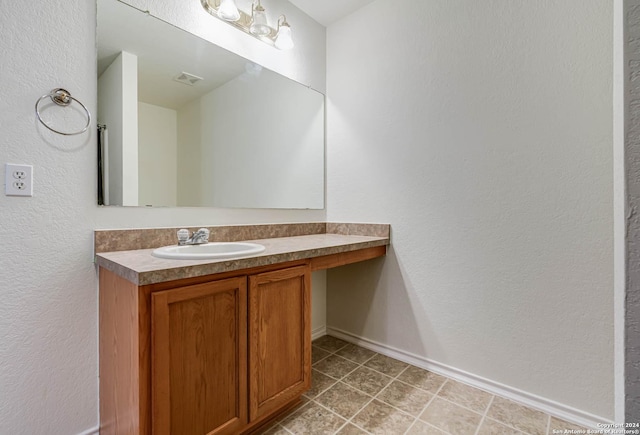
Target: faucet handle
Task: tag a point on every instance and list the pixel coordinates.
(183, 236)
(205, 233)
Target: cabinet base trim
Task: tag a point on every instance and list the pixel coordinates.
(548, 406)
(260, 425)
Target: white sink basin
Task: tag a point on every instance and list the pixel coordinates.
(208, 251)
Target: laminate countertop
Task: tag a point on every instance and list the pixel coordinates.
(141, 268)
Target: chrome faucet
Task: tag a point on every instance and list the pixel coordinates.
(199, 237)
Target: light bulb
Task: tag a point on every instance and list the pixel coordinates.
(259, 26)
(228, 10)
(283, 39)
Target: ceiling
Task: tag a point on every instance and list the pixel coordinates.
(327, 12)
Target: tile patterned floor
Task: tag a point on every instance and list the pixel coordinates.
(356, 391)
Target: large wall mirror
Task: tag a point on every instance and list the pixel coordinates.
(183, 122)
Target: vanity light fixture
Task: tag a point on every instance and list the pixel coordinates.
(228, 10)
(259, 26)
(283, 36)
(255, 23)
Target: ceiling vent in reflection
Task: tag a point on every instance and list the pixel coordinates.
(187, 79)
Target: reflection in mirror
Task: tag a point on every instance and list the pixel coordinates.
(191, 124)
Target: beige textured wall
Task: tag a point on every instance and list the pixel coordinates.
(48, 315)
(482, 132)
(632, 159)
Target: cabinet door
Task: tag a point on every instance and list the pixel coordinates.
(279, 338)
(199, 358)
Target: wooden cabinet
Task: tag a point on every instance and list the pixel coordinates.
(279, 338)
(199, 358)
(217, 354)
(203, 356)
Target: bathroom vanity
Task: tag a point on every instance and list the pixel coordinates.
(213, 346)
(207, 346)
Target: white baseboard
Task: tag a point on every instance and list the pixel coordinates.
(548, 406)
(92, 431)
(319, 332)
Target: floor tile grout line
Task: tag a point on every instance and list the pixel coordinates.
(461, 406)
(353, 361)
(358, 390)
(292, 413)
(364, 362)
(488, 417)
(376, 396)
(372, 397)
(340, 356)
(326, 389)
(320, 360)
(419, 388)
(484, 415)
(330, 351)
(429, 403)
(455, 403)
(393, 377)
(351, 372)
(322, 391)
(341, 427)
(359, 366)
(355, 345)
(359, 427)
(436, 394)
(401, 371)
(479, 425)
(413, 423)
(380, 373)
(404, 370)
(392, 406)
(311, 401)
(348, 373)
(358, 412)
(465, 406)
(486, 411)
(548, 424)
(285, 429)
(468, 385)
(279, 419)
(388, 404)
(332, 412)
(343, 376)
(433, 396)
(396, 378)
(348, 420)
(509, 425)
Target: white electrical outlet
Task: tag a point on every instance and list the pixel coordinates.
(18, 180)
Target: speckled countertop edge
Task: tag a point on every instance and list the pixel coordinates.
(141, 268)
(147, 238)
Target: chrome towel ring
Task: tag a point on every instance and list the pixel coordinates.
(63, 98)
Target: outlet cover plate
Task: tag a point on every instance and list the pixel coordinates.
(18, 180)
